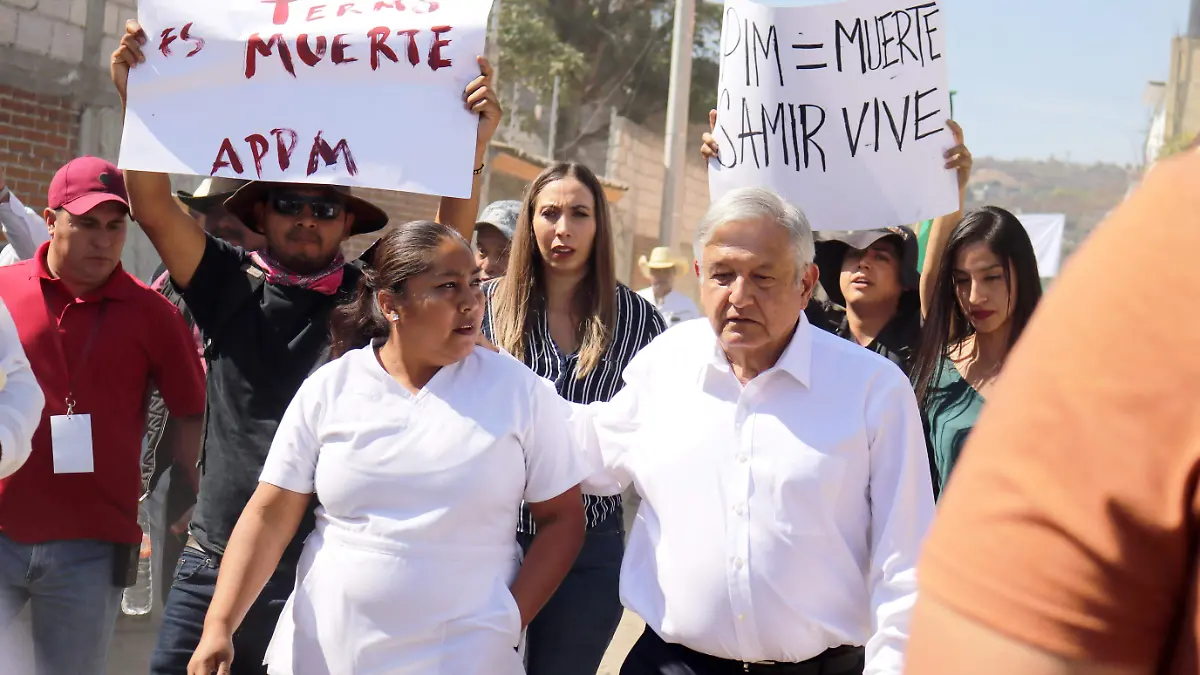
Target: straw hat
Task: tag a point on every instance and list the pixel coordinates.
(212, 191)
(661, 258)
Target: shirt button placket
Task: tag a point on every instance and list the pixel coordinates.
(739, 561)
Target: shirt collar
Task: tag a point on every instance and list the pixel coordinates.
(118, 286)
(796, 359)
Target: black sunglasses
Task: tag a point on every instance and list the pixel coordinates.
(292, 204)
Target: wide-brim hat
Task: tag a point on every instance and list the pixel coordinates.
(831, 252)
(210, 193)
(367, 216)
(661, 258)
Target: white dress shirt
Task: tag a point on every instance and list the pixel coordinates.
(24, 230)
(675, 309)
(779, 519)
(21, 398)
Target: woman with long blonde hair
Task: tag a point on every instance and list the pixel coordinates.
(560, 309)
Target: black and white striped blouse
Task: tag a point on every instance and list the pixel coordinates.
(636, 324)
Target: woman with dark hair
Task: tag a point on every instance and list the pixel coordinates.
(422, 448)
(985, 289)
(560, 309)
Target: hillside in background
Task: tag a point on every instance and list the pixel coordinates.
(1084, 192)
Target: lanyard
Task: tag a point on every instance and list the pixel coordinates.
(73, 377)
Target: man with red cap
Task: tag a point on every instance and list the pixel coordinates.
(96, 339)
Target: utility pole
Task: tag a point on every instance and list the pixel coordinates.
(553, 119)
(675, 140)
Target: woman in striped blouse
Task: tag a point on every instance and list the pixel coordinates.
(560, 309)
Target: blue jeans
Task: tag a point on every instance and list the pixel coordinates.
(183, 617)
(73, 602)
(571, 633)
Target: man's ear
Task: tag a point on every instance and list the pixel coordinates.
(51, 218)
(809, 281)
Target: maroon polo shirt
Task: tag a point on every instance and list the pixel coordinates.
(137, 339)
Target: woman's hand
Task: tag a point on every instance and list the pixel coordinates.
(214, 654)
(959, 157)
(709, 147)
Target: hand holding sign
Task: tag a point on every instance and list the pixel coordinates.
(481, 100)
(128, 55)
(959, 157)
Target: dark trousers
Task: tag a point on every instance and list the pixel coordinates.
(183, 617)
(571, 633)
(652, 656)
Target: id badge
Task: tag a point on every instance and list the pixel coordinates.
(71, 441)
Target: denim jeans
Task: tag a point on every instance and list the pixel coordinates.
(571, 633)
(73, 602)
(183, 617)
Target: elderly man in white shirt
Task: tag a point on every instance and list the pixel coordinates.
(783, 473)
(21, 398)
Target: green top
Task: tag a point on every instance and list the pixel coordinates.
(950, 415)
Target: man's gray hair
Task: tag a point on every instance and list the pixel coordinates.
(753, 204)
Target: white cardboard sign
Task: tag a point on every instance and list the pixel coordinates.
(1046, 231)
(351, 92)
(840, 108)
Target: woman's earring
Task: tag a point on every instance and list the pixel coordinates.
(394, 316)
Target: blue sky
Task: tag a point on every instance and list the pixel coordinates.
(1062, 78)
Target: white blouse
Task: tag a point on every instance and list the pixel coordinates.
(409, 566)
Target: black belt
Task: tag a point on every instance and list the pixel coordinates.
(843, 660)
(835, 661)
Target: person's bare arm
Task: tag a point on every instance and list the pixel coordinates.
(958, 645)
(258, 541)
(959, 159)
(480, 97)
(176, 236)
(560, 530)
(184, 436)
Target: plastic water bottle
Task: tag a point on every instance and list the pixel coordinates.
(138, 599)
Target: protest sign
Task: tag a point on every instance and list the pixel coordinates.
(840, 108)
(1045, 232)
(350, 92)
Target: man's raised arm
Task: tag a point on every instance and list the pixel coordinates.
(480, 97)
(176, 236)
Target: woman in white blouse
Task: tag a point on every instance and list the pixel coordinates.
(420, 448)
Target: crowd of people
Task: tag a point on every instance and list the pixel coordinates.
(414, 462)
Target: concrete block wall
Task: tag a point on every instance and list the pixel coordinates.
(636, 159)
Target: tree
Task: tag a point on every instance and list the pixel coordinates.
(607, 53)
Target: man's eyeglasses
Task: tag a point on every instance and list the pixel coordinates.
(291, 204)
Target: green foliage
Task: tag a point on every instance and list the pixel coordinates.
(608, 53)
(1176, 145)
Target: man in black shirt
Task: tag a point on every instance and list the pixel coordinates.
(872, 282)
(264, 319)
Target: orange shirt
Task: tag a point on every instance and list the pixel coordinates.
(1072, 519)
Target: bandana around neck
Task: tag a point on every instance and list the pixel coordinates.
(327, 281)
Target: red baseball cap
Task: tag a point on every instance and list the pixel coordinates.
(85, 183)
